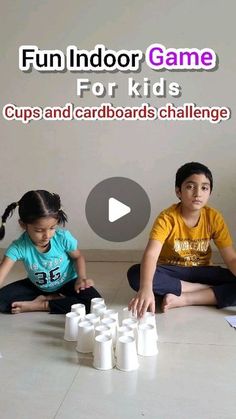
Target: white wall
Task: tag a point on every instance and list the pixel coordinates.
(71, 157)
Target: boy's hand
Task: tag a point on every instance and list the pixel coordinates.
(83, 283)
(143, 301)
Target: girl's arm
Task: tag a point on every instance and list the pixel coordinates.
(5, 267)
(229, 257)
(144, 299)
(82, 281)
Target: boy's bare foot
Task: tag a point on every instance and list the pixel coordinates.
(172, 301)
(201, 297)
(40, 303)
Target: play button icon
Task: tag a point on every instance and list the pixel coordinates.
(117, 209)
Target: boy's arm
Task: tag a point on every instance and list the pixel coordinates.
(82, 281)
(145, 297)
(229, 257)
(5, 267)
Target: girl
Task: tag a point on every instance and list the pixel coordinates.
(55, 267)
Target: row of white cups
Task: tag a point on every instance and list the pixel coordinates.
(111, 344)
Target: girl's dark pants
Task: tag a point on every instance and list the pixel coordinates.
(167, 280)
(25, 290)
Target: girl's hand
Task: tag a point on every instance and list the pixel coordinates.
(83, 283)
(5, 267)
(143, 301)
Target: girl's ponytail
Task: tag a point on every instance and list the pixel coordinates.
(7, 213)
(62, 217)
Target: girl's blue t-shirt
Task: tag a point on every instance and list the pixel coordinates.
(50, 270)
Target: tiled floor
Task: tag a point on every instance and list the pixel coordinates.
(193, 377)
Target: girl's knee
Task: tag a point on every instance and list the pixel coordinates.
(5, 307)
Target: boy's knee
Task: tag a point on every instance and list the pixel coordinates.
(133, 276)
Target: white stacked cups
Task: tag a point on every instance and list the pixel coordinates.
(126, 314)
(123, 331)
(71, 326)
(85, 341)
(149, 318)
(147, 341)
(95, 301)
(99, 332)
(113, 314)
(133, 324)
(103, 353)
(79, 309)
(93, 318)
(126, 353)
(99, 309)
(102, 329)
(111, 323)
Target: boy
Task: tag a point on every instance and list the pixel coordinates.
(180, 243)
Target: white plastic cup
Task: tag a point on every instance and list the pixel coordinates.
(123, 331)
(93, 318)
(99, 309)
(85, 340)
(95, 301)
(133, 323)
(103, 353)
(149, 318)
(126, 314)
(111, 323)
(71, 326)
(147, 342)
(102, 329)
(79, 309)
(127, 359)
(113, 314)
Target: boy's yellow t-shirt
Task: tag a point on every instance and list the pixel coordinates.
(185, 246)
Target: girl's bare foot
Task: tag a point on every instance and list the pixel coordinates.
(40, 303)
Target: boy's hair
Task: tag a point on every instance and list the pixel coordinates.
(190, 169)
(34, 205)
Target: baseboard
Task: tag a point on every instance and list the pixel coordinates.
(132, 256)
(103, 255)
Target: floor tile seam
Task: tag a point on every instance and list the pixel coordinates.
(111, 261)
(113, 299)
(67, 392)
(197, 344)
(118, 290)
